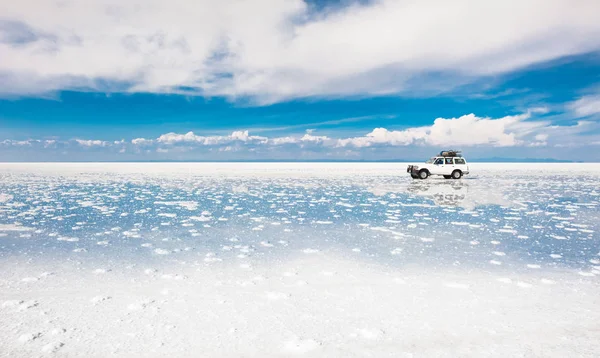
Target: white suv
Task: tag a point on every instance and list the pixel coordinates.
(450, 164)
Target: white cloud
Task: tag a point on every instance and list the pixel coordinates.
(170, 138)
(307, 138)
(284, 140)
(190, 137)
(9, 142)
(273, 50)
(384, 136)
(92, 143)
(49, 143)
(539, 140)
(472, 130)
(586, 106)
(28, 143)
(243, 136)
(141, 141)
(467, 130)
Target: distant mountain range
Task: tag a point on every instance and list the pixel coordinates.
(521, 160)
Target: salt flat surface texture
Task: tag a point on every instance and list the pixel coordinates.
(318, 260)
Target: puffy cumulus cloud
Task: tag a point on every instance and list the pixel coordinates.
(470, 130)
(384, 136)
(170, 138)
(272, 50)
(308, 137)
(142, 141)
(467, 130)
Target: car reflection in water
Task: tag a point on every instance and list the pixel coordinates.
(442, 192)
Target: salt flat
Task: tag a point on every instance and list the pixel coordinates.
(313, 259)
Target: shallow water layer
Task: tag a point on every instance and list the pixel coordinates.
(316, 259)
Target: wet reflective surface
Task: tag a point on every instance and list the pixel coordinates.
(138, 213)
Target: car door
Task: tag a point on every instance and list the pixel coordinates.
(438, 166)
(448, 166)
(461, 164)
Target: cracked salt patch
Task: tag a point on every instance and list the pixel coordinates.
(284, 265)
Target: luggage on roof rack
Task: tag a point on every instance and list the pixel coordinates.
(450, 153)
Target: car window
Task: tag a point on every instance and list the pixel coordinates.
(459, 161)
(448, 160)
(439, 161)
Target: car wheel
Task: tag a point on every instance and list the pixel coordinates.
(457, 174)
(423, 174)
(447, 176)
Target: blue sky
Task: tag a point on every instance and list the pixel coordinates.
(267, 79)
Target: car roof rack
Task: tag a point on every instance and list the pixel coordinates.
(451, 153)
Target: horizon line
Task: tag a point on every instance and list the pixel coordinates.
(483, 160)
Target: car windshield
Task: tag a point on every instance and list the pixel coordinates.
(430, 160)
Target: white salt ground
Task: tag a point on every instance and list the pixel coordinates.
(312, 306)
